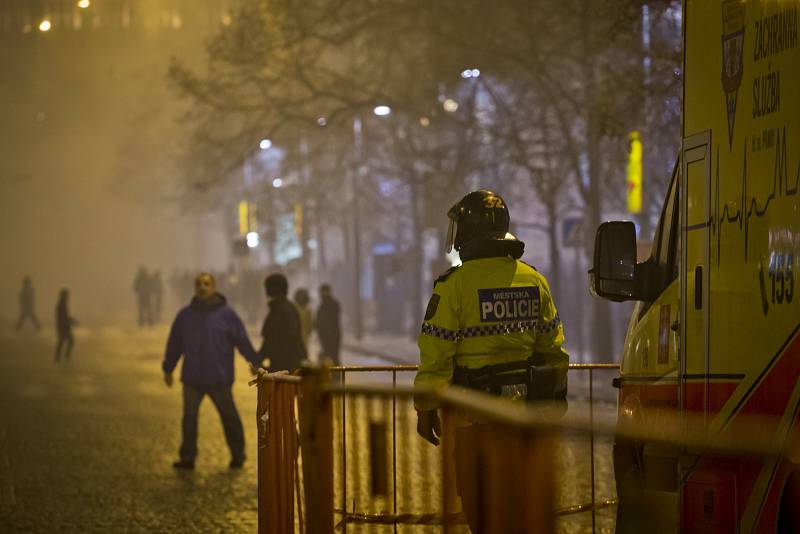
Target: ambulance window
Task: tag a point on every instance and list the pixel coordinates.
(667, 234)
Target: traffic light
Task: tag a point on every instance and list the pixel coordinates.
(635, 174)
(298, 219)
(247, 217)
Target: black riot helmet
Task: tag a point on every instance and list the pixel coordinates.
(480, 215)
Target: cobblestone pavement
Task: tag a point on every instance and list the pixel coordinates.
(87, 445)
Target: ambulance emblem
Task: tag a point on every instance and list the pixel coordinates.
(732, 57)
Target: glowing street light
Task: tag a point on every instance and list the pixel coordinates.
(251, 239)
(450, 105)
(265, 144)
(277, 183)
(84, 4)
(44, 26)
(470, 73)
(382, 111)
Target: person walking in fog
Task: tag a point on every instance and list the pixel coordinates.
(281, 332)
(302, 301)
(157, 294)
(26, 301)
(64, 324)
(329, 328)
(205, 333)
(141, 286)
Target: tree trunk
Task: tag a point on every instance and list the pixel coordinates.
(319, 236)
(555, 252)
(303, 206)
(416, 258)
(601, 323)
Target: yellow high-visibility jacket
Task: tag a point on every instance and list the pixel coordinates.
(485, 312)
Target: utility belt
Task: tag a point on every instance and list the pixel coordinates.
(530, 380)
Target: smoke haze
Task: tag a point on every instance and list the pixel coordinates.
(89, 141)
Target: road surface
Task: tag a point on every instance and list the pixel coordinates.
(87, 445)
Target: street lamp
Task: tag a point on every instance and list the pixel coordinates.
(252, 239)
(356, 176)
(84, 4)
(277, 183)
(265, 144)
(450, 105)
(44, 26)
(470, 73)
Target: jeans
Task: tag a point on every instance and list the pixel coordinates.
(27, 314)
(222, 398)
(65, 341)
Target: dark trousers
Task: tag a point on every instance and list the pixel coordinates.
(498, 485)
(330, 350)
(223, 400)
(27, 314)
(145, 312)
(65, 339)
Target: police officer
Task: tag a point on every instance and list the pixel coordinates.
(490, 325)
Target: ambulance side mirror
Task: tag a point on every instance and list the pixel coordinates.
(613, 273)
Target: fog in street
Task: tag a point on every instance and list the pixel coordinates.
(89, 154)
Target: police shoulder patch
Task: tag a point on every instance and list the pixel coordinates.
(442, 277)
(433, 305)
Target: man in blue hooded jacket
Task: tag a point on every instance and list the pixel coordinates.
(205, 333)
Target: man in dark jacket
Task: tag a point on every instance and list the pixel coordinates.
(328, 325)
(282, 340)
(205, 333)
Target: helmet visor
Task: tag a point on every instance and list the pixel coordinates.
(451, 236)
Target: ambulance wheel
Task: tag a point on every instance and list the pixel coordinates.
(630, 483)
(789, 511)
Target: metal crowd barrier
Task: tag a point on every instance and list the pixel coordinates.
(340, 454)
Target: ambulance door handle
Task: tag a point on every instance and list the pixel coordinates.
(698, 287)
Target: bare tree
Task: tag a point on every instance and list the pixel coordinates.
(561, 86)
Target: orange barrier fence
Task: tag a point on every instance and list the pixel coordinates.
(361, 467)
(278, 450)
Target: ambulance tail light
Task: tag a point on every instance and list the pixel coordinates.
(630, 410)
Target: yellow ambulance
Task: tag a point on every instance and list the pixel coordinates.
(715, 333)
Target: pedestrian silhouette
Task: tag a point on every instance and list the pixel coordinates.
(26, 301)
(157, 294)
(329, 328)
(282, 341)
(141, 286)
(205, 334)
(303, 303)
(64, 323)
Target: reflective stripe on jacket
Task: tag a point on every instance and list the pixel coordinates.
(488, 311)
